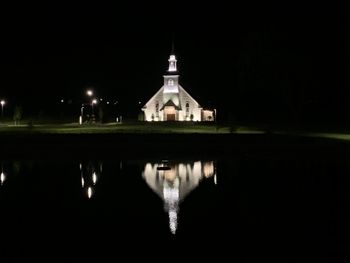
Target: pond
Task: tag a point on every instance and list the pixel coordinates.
(236, 205)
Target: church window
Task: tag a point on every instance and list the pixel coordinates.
(187, 108)
(157, 108)
(170, 82)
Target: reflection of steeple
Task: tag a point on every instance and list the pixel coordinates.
(175, 183)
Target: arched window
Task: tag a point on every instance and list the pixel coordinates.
(170, 82)
(187, 108)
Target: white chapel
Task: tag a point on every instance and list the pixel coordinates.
(173, 103)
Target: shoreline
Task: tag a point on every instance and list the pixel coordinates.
(152, 145)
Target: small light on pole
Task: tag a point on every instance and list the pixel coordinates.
(2, 102)
(81, 114)
(94, 101)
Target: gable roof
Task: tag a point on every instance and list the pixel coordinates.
(170, 103)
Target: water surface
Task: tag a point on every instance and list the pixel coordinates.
(237, 206)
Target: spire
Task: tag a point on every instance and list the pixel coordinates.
(172, 46)
(172, 59)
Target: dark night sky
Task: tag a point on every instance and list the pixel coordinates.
(277, 66)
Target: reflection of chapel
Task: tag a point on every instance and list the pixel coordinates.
(173, 103)
(175, 184)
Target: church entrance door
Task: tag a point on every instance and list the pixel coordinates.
(170, 113)
(170, 117)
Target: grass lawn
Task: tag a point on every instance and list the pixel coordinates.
(115, 128)
(336, 136)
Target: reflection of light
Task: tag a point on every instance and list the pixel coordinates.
(94, 178)
(171, 199)
(2, 177)
(175, 184)
(208, 169)
(170, 175)
(171, 194)
(173, 221)
(215, 180)
(89, 192)
(82, 182)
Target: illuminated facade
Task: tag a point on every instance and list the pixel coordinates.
(173, 103)
(174, 184)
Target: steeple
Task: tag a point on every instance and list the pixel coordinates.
(172, 59)
(172, 63)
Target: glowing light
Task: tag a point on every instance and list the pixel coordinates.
(2, 102)
(82, 182)
(62, 100)
(89, 192)
(80, 166)
(94, 101)
(215, 180)
(89, 93)
(107, 102)
(173, 221)
(2, 178)
(94, 178)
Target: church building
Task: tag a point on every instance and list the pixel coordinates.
(173, 103)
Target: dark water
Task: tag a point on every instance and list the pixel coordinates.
(244, 208)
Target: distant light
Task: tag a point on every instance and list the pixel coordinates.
(2, 176)
(89, 93)
(107, 102)
(215, 180)
(2, 102)
(101, 99)
(94, 178)
(82, 182)
(139, 102)
(94, 101)
(62, 100)
(80, 166)
(89, 192)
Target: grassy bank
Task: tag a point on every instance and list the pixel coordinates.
(130, 128)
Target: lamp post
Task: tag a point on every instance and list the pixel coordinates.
(94, 101)
(2, 102)
(81, 114)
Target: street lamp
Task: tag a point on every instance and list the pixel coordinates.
(89, 92)
(2, 102)
(94, 101)
(81, 114)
